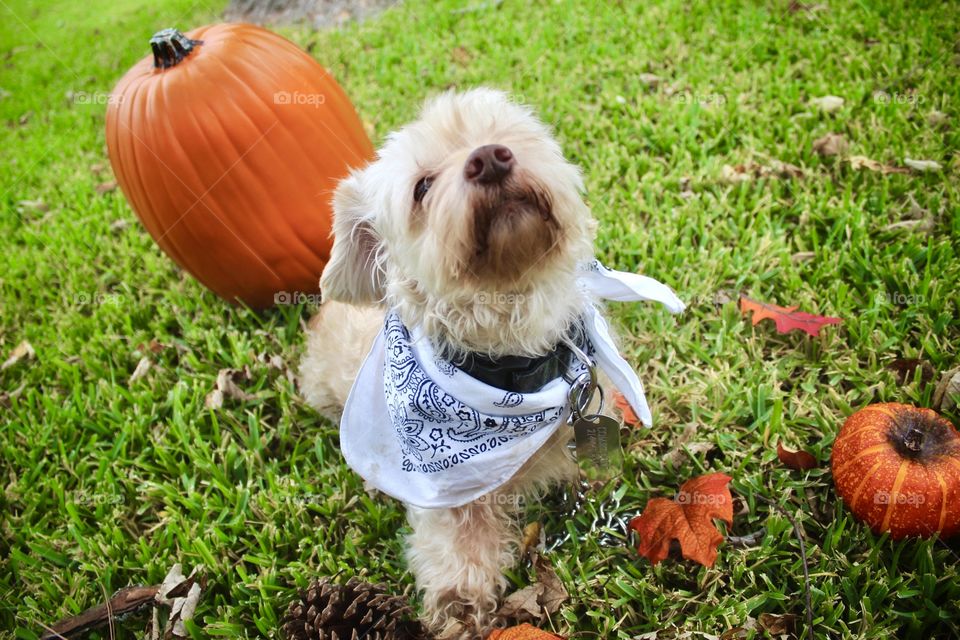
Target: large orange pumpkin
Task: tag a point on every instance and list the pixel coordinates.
(228, 143)
(897, 467)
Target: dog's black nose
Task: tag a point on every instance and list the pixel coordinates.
(488, 164)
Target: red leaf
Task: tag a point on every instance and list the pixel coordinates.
(796, 460)
(688, 518)
(786, 318)
(626, 411)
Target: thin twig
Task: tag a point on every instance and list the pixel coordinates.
(747, 540)
(106, 599)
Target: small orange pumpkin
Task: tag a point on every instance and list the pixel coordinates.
(897, 467)
(228, 143)
(522, 632)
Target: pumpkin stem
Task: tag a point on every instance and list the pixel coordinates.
(913, 440)
(170, 47)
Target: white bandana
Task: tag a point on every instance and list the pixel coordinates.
(425, 432)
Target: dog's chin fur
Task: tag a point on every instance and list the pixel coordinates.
(527, 320)
(480, 268)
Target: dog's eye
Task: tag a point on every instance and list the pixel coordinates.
(420, 190)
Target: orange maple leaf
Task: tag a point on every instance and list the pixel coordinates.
(786, 318)
(626, 411)
(688, 518)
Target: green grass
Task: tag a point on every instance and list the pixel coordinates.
(108, 483)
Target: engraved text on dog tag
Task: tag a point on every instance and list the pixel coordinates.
(598, 446)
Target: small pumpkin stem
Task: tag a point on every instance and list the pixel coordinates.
(170, 47)
(913, 440)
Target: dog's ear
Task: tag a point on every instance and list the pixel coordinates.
(354, 273)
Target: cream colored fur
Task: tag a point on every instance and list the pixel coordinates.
(420, 258)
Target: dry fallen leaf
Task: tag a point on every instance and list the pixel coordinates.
(538, 600)
(182, 605)
(905, 368)
(786, 318)
(214, 399)
(274, 361)
(746, 630)
(750, 170)
(679, 454)
(106, 187)
(554, 593)
(732, 175)
(23, 351)
(926, 224)
(828, 104)
(937, 118)
(922, 165)
(724, 296)
(142, 368)
(154, 346)
(183, 609)
(832, 144)
(173, 579)
(863, 162)
(914, 210)
(119, 225)
(32, 205)
(778, 625)
(461, 56)
(796, 6)
(7, 396)
(652, 81)
(796, 460)
(688, 518)
(947, 389)
(523, 604)
(227, 388)
(786, 170)
(533, 537)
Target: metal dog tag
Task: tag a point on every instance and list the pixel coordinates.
(598, 447)
(597, 436)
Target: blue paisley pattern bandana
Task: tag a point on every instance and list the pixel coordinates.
(423, 431)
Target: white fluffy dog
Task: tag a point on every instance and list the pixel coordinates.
(466, 236)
